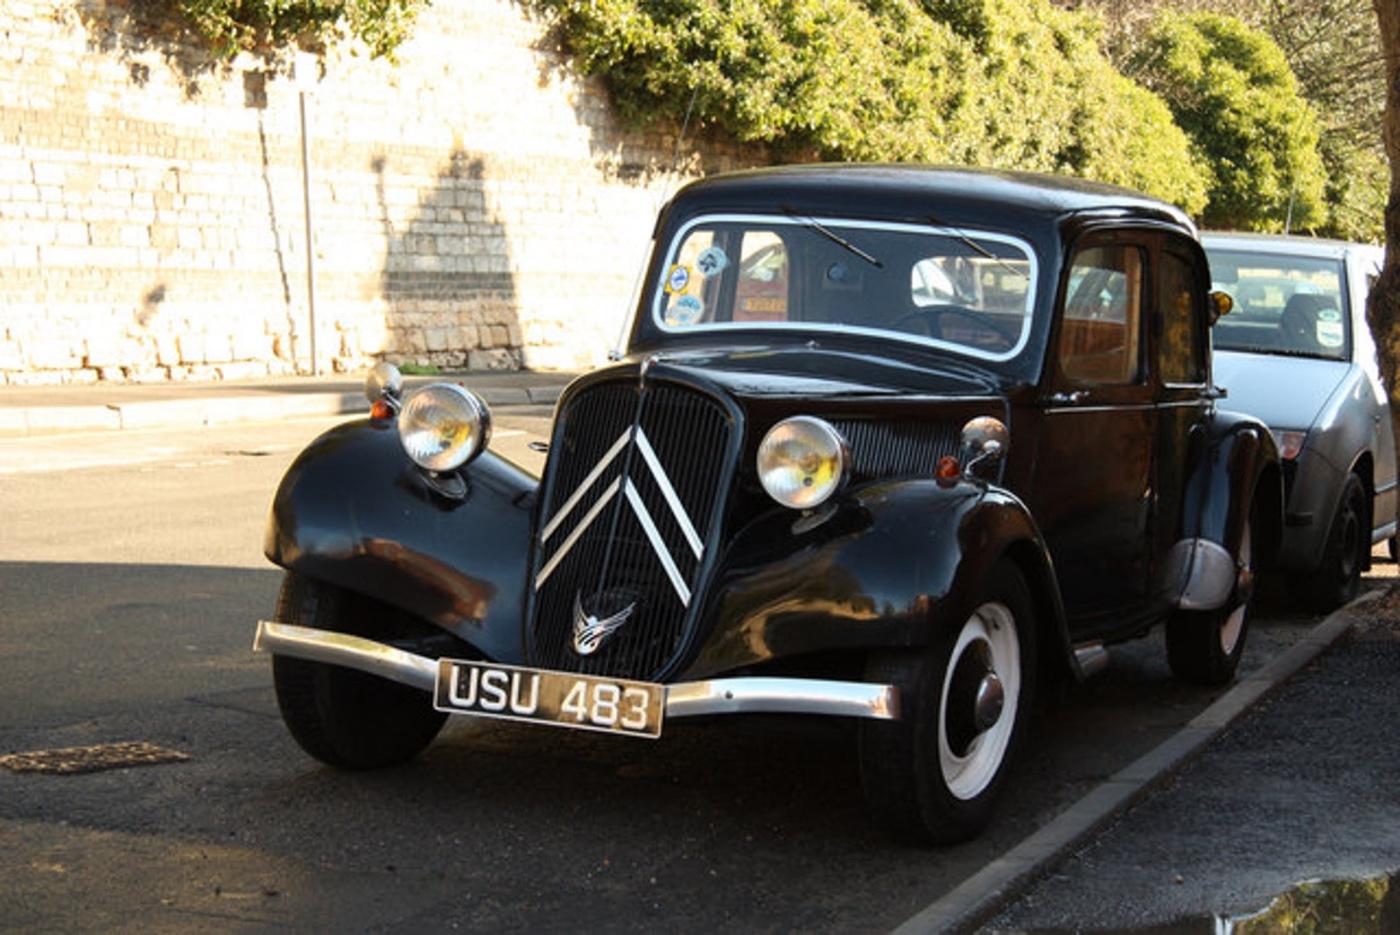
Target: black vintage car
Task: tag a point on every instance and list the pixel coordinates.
(886, 443)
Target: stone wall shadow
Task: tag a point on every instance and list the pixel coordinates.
(449, 290)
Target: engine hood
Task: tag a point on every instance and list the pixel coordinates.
(821, 373)
(1284, 392)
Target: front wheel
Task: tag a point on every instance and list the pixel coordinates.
(1205, 646)
(935, 773)
(1337, 579)
(344, 717)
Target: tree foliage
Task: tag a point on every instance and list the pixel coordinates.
(1230, 88)
(987, 82)
(232, 26)
(1333, 46)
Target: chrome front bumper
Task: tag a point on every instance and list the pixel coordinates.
(683, 699)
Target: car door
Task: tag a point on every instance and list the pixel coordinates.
(1179, 288)
(1093, 483)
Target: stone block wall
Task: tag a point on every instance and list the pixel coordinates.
(475, 205)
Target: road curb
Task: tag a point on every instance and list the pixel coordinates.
(221, 410)
(978, 898)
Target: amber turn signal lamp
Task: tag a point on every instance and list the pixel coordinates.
(381, 410)
(948, 468)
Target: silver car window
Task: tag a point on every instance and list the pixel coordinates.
(1290, 305)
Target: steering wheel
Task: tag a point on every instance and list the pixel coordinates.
(929, 317)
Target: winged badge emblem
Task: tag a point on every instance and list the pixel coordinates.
(590, 631)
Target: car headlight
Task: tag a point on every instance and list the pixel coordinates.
(443, 426)
(801, 462)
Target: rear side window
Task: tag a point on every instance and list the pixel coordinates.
(1179, 300)
(1101, 332)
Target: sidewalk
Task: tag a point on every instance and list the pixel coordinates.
(41, 410)
(1301, 788)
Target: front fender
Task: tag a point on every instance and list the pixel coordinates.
(354, 511)
(884, 567)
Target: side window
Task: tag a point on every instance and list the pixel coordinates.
(1179, 297)
(1101, 334)
(763, 278)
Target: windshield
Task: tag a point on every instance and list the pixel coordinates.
(967, 291)
(1291, 305)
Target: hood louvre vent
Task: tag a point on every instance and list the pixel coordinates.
(897, 449)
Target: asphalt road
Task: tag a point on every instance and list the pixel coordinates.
(130, 577)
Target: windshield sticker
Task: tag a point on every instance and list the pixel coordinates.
(678, 279)
(712, 261)
(686, 311)
(1329, 333)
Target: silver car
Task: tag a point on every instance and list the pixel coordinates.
(1296, 352)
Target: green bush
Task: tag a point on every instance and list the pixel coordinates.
(1230, 88)
(235, 25)
(1358, 184)
(999, 83)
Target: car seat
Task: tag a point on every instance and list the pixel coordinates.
(1297, 324)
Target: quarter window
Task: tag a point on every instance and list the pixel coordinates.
(1178, 298)
(1100, 336)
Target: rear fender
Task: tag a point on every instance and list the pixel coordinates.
(354, 511)
(1237, 475)
(887, 566)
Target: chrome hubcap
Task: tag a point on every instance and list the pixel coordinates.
(978, 702)
(991, 698)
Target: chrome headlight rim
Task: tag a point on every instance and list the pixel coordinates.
(458, 408)
(831, 447)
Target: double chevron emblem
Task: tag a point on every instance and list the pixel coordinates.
(623, 486)
(590, 631)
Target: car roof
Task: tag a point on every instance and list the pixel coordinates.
(950, 194)
(1289, 245)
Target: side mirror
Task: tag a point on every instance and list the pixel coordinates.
(1220, 305)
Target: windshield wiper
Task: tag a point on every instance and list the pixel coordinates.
(973, 245)
(1281, 352)
(832, 236)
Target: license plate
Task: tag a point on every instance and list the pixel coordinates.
(563, 699)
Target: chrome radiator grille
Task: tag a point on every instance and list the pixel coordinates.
(632, 490)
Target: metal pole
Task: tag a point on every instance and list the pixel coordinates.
(310, 250)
